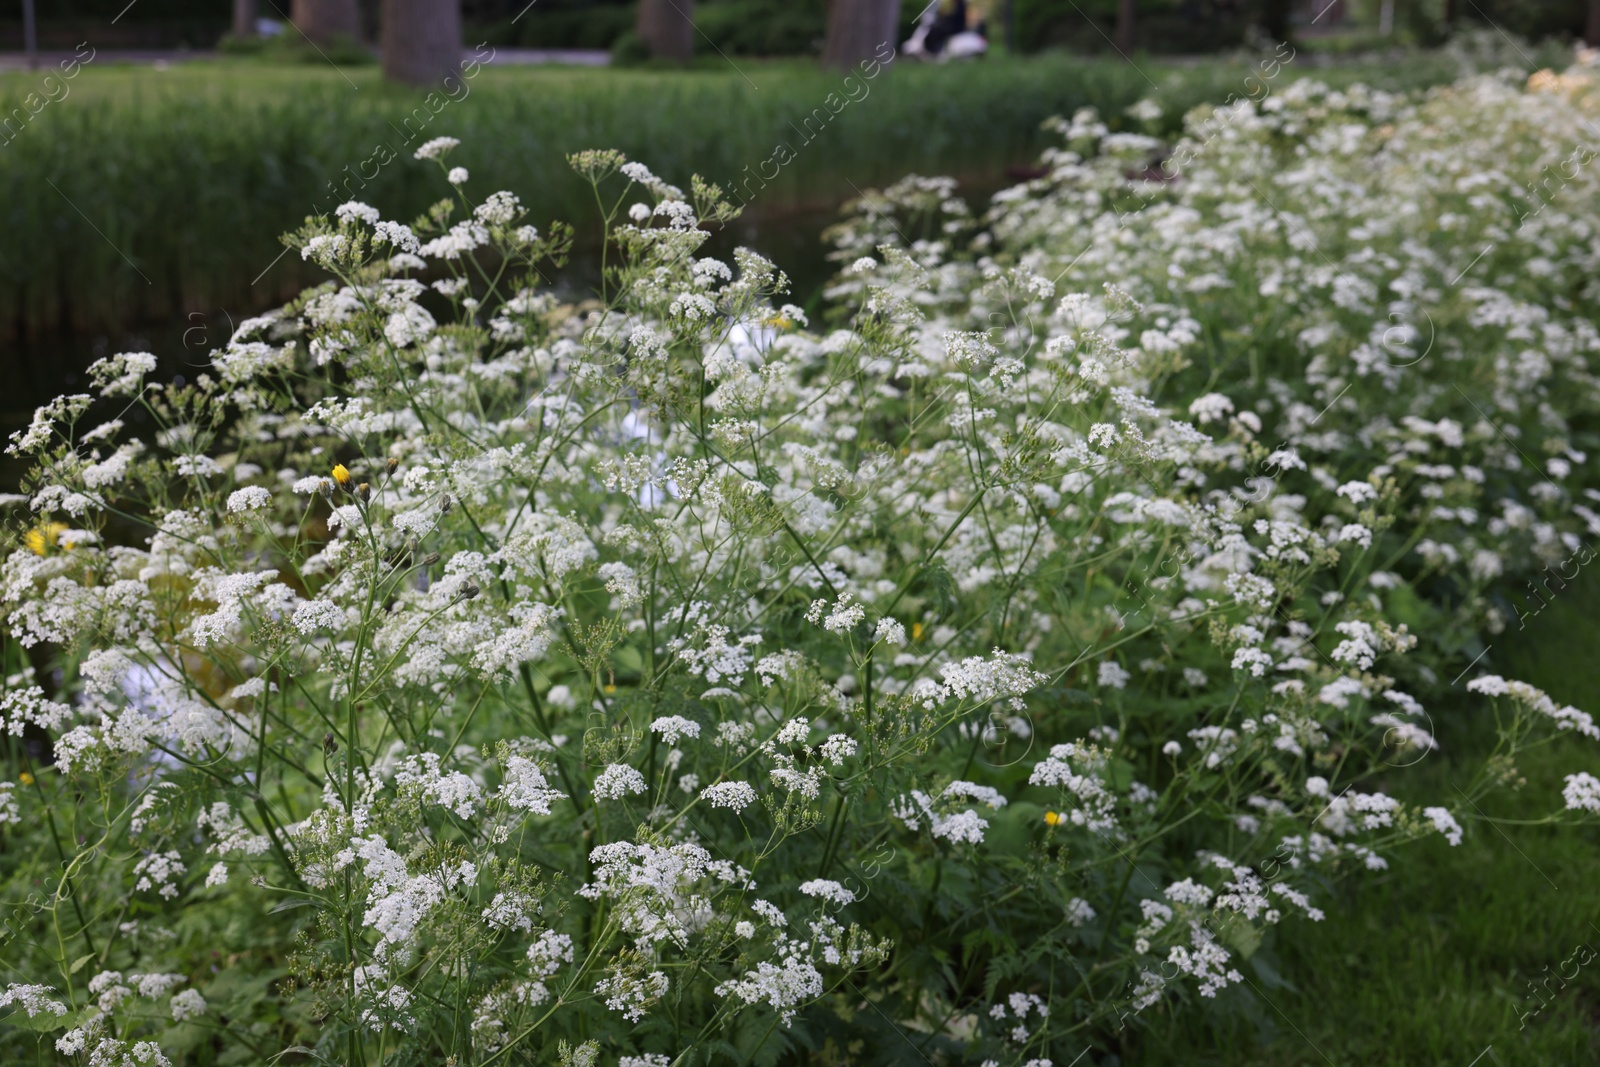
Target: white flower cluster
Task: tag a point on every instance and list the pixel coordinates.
(447, 596)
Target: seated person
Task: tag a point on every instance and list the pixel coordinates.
(950, 29)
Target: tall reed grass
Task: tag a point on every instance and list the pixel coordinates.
(145, 194)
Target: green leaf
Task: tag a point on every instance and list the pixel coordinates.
(941, 585)
(77, 964)
(1269, 975)
(1122, 773)
(628, 660)
(1242, 937)
(45, 1021)
(291, 903)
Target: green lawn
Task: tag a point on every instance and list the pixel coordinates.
(1430, 961)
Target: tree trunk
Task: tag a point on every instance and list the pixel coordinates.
(421, 40)
(861, 29)
(244, 18)
(1591, 32)
(323, 20)
(667, 28)
(1125, 12)
(30, 35)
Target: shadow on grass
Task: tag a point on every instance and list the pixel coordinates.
(1433, 961)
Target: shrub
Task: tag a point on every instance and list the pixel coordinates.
(659, 679)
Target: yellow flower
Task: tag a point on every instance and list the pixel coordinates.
(609, 688)
(45, 537)
(1052, 818)
(1548, 81)
(916, 631)
(341, 475)
(25, 778)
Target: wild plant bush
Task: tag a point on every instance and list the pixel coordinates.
(454, 673)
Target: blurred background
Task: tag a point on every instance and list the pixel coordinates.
(796, 27)
(152, 152)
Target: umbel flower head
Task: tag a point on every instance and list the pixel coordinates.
(680, 650)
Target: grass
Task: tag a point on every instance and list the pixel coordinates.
(192, 172)
(144, 194)
(1430, 962)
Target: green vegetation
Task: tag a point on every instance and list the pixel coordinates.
(192, 172)
(796, 27)
(1434, 967)
(162, 192)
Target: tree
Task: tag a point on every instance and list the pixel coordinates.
(1125, 12)
(244, 18)
(860, 29)
(323, 20)
(421, 40)
(1591, 32)
(1275, 19)
(667, 29)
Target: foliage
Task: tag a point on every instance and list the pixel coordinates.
(190, 172)
(656, 679)
(1182, 26)
(1200, 26)
(550, 23)
(1434, 965)
(292, 48)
